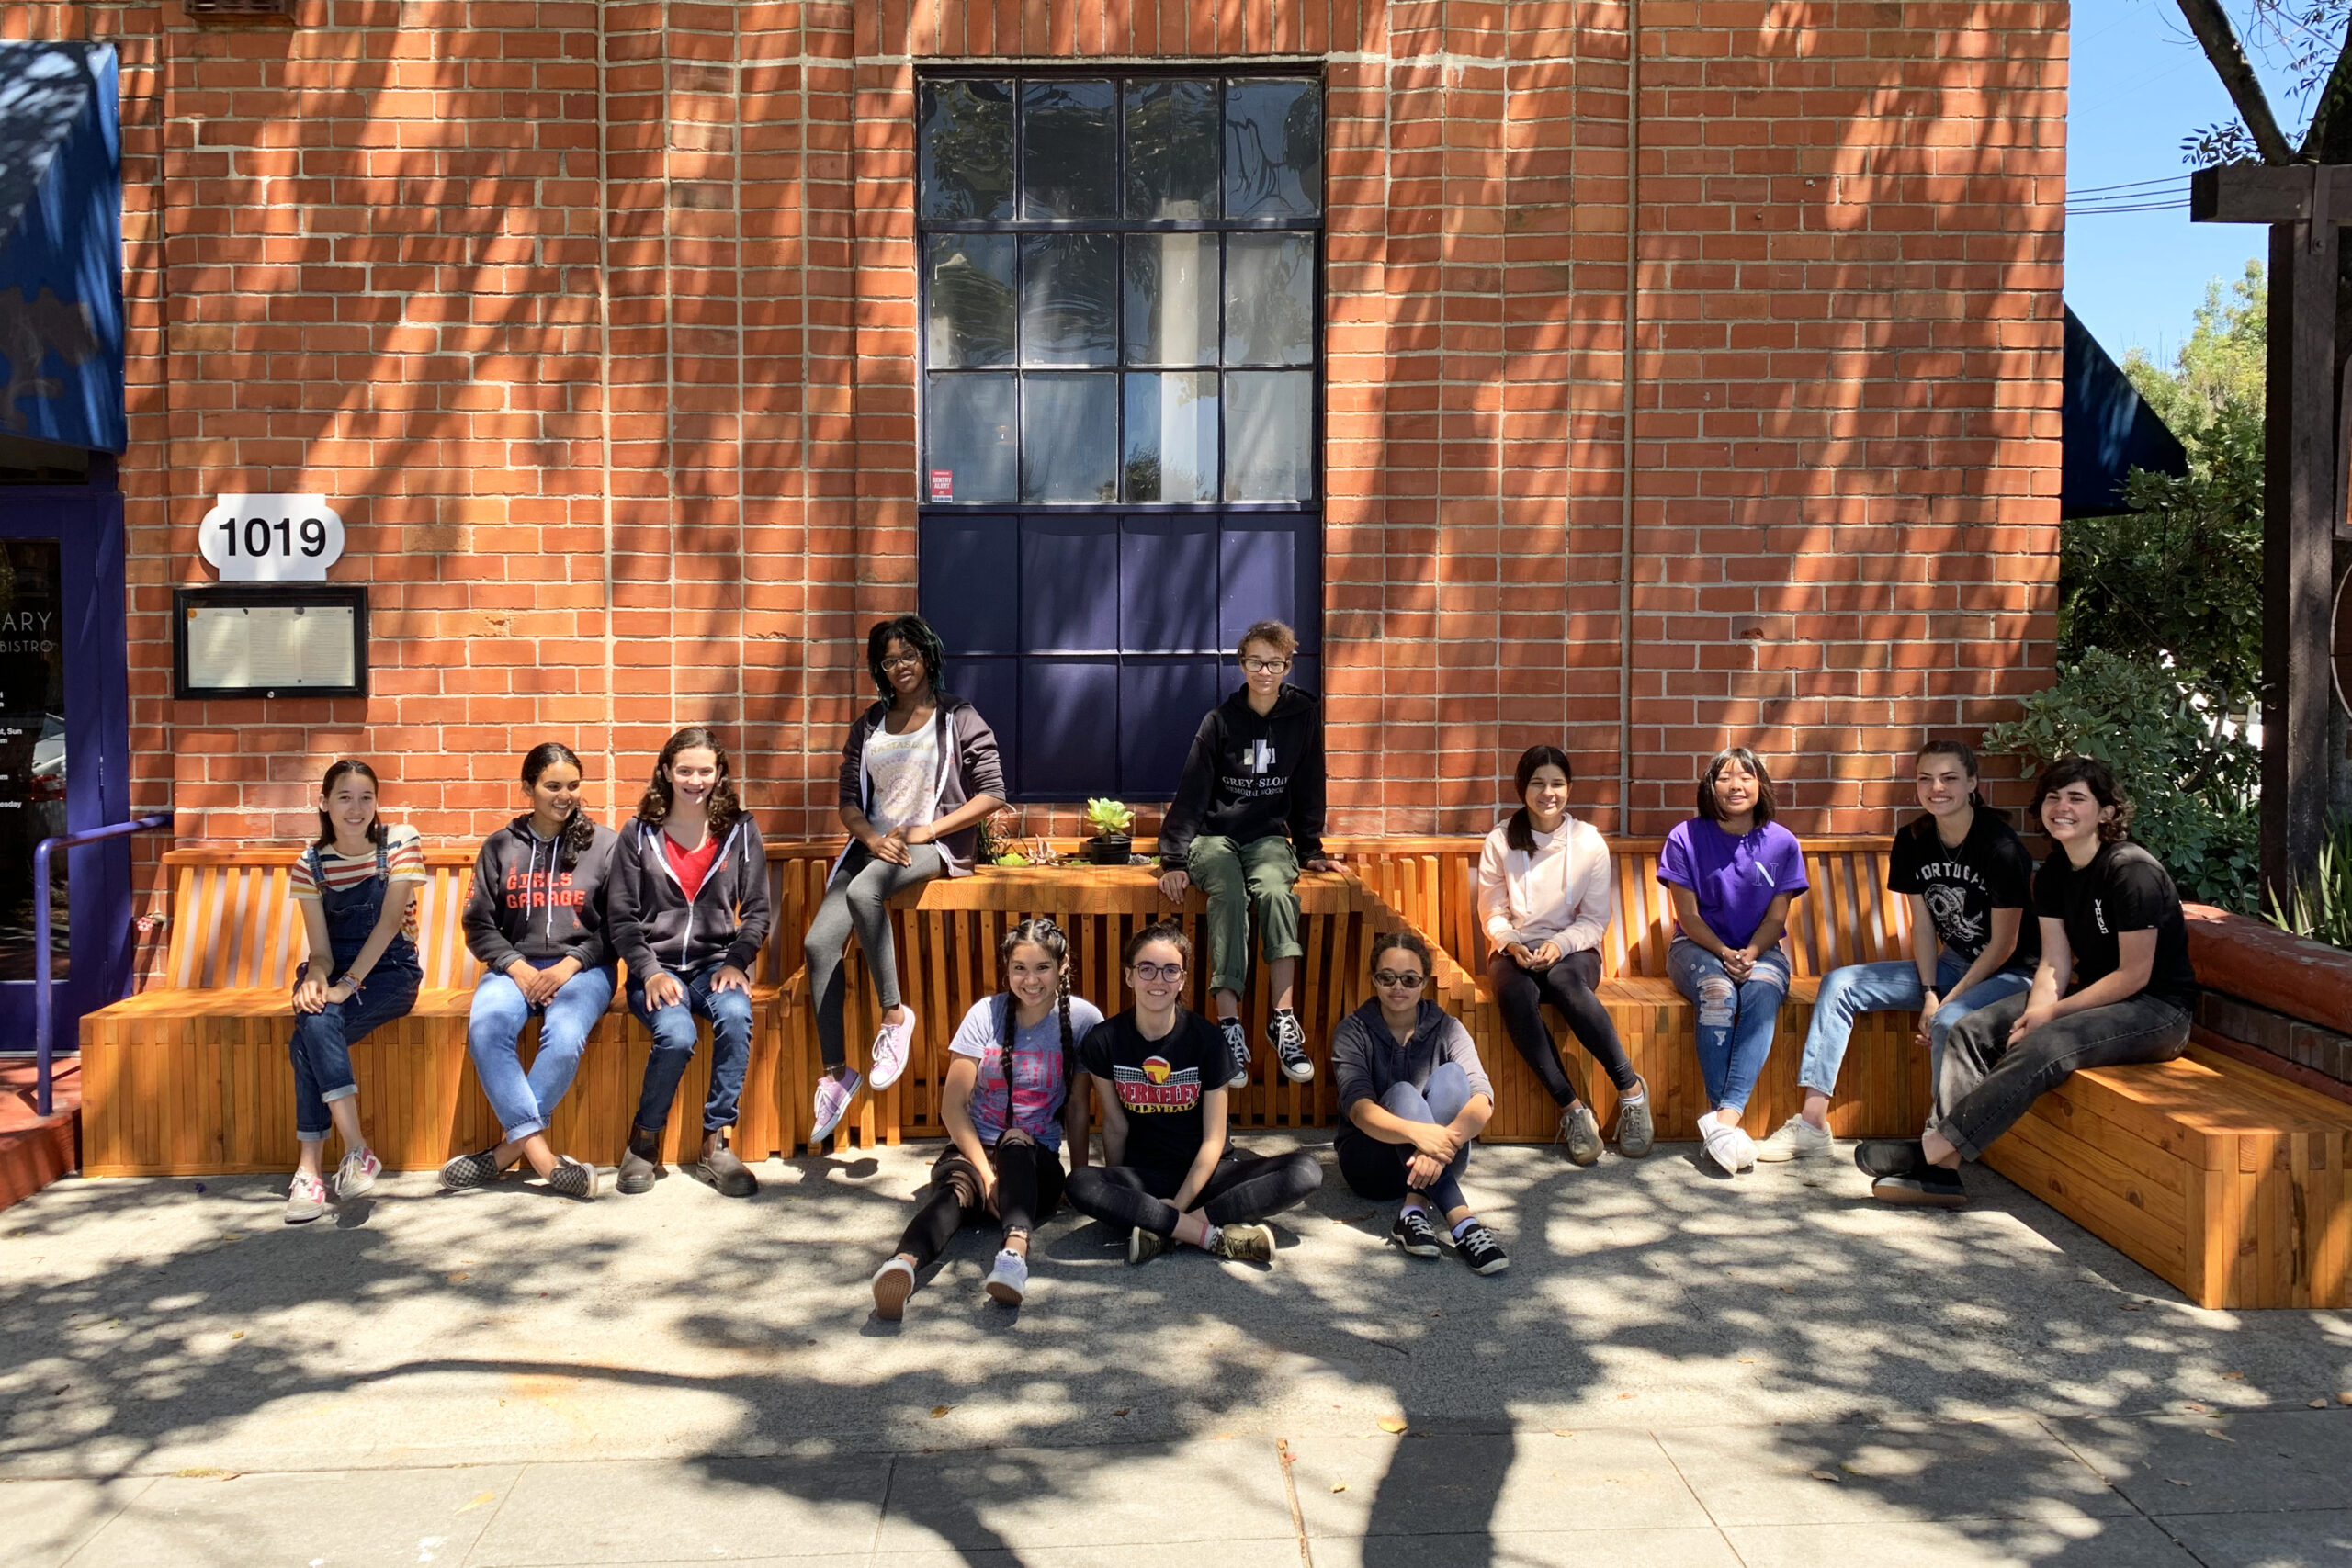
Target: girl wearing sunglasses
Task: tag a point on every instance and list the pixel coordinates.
(1158, 1073)
(1413, 1100)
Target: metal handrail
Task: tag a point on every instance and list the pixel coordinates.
(44, 1010)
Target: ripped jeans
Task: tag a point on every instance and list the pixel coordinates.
(1735, 1020)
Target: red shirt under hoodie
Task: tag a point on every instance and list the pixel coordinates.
(691, 866)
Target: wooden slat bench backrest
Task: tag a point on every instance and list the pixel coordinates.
(1848, 917)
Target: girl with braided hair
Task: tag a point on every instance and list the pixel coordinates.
(1010, 1070)
(918, 774)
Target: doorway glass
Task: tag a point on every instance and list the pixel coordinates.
(32, 748)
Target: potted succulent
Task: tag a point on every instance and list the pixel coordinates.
(1110, 845)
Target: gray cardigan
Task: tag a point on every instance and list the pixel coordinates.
(969, 768)
(1366, 1061)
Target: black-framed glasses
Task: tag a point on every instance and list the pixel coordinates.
(1390, 977)
(1265, 666)
(1157, 973)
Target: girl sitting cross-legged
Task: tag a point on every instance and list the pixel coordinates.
(536, 921)
(1413, 1100)
(1009, 1072)
(1159, 1072)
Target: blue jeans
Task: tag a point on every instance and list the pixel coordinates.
(322, 1047)
(1377, 1170)
(674, 1047)
(524, 1101)
(1880, 988)
(1735, 1018)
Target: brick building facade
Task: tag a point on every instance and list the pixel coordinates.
(598, 324)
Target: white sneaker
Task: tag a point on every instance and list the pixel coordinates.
(1009, 1279)
(893, 1283)
(1727, 1146)
(1797, 1139)
(357, 1174)
(893, 1043)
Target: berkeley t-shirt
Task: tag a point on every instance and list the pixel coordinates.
(1736, 878)
(1160, 1083)
(2124, 888)
(1990, 869)
(1038, 1089)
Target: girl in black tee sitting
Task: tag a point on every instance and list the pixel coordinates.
(2113, 986)
(1159, 1072)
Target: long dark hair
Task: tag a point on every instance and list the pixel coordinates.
(916, 633)
(2099, 779)
(724, 806)
(338, 769)
(577, 832)
(1965, 755)
(1036, 932)
(1520, 834)
(1765, 802)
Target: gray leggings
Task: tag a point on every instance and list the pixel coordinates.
(853, 901)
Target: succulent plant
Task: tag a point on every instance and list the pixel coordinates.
(1109, 817)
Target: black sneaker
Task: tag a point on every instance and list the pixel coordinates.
(1414, 1232)
(1890, 1157)
(1929, 1187)
(471, 1170)
(1290, 1045)
(1237, 1043)
(640, 1163)
(1479, 1249)
(720, 1168)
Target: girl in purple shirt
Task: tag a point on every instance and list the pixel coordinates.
(1733, 873)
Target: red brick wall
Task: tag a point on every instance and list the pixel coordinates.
(597, 323)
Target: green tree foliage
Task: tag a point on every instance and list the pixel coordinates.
(2179, 581)
(2192, 784)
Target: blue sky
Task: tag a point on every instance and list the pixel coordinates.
(2139, 84)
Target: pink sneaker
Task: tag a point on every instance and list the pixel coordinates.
(893, 1043)
(357, 1174)
(833, 1095)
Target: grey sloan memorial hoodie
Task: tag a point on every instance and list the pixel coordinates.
(1250, 777)
(658, 930)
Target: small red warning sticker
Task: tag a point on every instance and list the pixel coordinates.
(942, 484)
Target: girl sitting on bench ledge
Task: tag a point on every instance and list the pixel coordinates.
(536, 921)
(1007, 1095)
(355, 887)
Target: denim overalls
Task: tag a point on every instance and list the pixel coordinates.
(321, 1044)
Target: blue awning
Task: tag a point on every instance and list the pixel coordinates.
(2106, 431)
(60, 245)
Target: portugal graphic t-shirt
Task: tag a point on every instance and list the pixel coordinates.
(1990, 869)
(1159, 1082)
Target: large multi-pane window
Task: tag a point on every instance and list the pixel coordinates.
(1121, 316)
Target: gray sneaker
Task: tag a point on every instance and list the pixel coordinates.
(1797, 1139)
(1633, 1125)
(471, 1170)
(306, 1200)
(1580, 1130)
(573, 1178)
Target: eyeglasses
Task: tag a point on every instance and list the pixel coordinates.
(1390, 977)
(903, 661)
(1158, 973)
(1265, 666)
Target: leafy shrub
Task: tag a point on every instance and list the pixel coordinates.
(2193, 788)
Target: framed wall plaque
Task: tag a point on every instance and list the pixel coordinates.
(269, 640)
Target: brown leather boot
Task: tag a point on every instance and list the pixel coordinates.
(640, 1164)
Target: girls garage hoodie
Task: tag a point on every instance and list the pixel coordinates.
(528, 905)
(658, 929)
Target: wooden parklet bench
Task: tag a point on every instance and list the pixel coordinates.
(191, 1077)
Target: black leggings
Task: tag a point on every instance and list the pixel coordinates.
(1028, 1188)
(1567, 985)
(1132, 1197)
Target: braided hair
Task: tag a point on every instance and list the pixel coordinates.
(1036, 932)
(578, 832)
(916, 633)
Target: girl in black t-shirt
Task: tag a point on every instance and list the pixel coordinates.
(1159, 1073)
(2114, 987)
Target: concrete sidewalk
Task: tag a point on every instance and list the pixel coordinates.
(1676, 1369)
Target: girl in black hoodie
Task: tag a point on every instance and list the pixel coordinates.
(536, 920)
(689, 914)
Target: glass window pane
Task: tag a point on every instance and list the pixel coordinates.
(964, 170)
(967, 432)
(1069, 150)
(1273, 147)
(1172, 436)
(1172, 299)
(1068, 437)
(1269, 300)
(1069, 291)
(1269, 416)
(968, 300)
(1171, 149)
